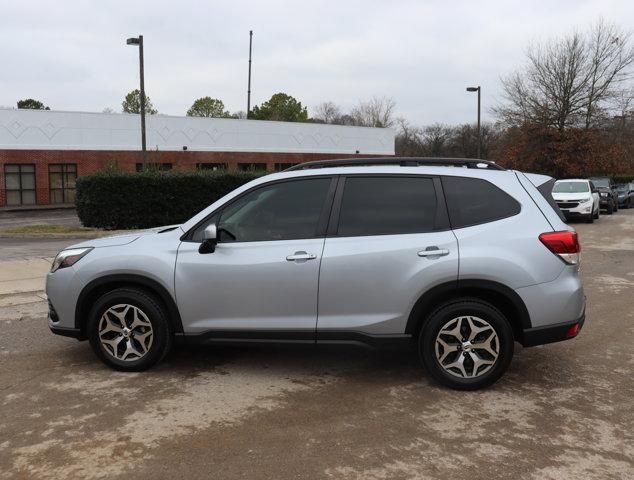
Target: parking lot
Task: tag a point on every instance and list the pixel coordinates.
(562, 411)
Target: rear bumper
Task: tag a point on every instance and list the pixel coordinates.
(551, 333)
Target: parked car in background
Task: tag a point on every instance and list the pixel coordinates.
(459, 263)
(577, 199)
(607, 193)
(625, 194)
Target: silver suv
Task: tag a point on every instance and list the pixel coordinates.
(458, 257)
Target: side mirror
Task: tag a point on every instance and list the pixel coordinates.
(210, 240)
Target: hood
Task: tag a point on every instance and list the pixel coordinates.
(571, 196)
(123, 239)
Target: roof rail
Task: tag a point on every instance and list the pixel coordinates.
(400, 161)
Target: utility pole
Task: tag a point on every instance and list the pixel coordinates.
(249, 86)
(139, 41)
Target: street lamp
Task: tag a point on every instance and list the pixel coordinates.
(477, 89)
(139, 41)
(249, 86)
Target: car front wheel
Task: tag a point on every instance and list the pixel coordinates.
(129, 330)
(466, 344)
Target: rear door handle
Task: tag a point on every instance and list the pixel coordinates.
(433, 252)
(298, 256)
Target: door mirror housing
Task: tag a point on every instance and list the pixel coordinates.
(210, 239)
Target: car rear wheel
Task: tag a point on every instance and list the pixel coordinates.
(466, 344)
(129, 330)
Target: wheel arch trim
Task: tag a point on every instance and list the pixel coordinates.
(126, 280)
(486, 289)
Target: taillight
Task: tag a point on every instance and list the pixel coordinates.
(563, 244)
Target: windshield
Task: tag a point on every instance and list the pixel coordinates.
(571, 187)
(601, 182)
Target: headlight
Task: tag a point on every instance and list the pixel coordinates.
(67, 258)
(585, 200)
(604, 194)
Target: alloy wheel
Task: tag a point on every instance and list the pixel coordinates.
(467, 347)
(125, 332)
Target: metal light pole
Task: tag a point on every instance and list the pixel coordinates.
(249, 87)
(139, 41)
(477, 89)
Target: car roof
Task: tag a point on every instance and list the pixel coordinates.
(573, 180)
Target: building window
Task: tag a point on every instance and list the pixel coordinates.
(154, 166)
(19, 182)
(283, 166)
(61, 182)
(211, 166)
(252, 167)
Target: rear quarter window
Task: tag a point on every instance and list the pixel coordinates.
(546, 189)
(473, 201)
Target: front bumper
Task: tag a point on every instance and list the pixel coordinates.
(572, 214)
(578, 211)
(552, 333)
(58, 329)
(67, 332)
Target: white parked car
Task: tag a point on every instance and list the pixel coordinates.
(577, 198)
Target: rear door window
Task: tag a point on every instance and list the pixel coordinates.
(473, 201)
(387, 206)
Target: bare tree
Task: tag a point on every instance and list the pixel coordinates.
(327, 112)
(435, 139)
(376, 112)
(409, 139)
(240, 114)
(610, 56)
(569, 82)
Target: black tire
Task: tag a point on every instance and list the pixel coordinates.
(590, 218)
(596, 215)
(465, 307)
(609, 209)
(152, 308)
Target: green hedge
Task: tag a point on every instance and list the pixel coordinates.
(121, 200)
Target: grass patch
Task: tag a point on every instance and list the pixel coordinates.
(46, 229)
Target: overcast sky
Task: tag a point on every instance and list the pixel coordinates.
(72, 54)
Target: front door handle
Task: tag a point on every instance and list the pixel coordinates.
(433, 252)
(299, 256)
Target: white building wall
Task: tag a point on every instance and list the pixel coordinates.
(55, 130)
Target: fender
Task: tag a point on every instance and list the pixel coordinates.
(109, 282)
(504, 298)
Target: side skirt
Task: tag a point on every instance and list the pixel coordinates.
(285, 337)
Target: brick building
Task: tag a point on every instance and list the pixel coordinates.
(43, 152)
